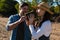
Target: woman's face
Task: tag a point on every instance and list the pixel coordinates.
(40, 12)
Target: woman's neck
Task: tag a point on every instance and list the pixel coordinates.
(40, 18)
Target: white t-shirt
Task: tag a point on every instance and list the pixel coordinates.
(45, 29)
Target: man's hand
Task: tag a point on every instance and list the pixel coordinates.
(22, 19)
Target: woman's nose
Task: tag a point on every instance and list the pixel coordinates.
(38, 11)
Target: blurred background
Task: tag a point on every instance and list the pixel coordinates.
(11, 7)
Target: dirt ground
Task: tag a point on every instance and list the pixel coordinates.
(4, 35)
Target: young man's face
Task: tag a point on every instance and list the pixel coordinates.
(24, 9)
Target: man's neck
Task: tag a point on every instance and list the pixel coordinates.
(21, 13)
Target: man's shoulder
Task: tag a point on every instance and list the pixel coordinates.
(13, 16)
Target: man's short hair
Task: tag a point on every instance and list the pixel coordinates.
(23, 4)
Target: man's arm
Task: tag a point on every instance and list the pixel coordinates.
(13, 25)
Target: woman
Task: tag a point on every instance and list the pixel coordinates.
(41, 28)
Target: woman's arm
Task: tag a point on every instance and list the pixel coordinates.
(35, 34)
(44, 30)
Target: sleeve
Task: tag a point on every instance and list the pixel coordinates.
(35, 34)
(48, 28)
(41, 31)
(10, 20)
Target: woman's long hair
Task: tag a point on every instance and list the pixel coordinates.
(46, 17)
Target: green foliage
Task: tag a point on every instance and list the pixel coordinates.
(34, 2)
(7, 7)
(56, 9)
(17, 7)
(44, 0)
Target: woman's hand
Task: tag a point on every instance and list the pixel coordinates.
(31, 19)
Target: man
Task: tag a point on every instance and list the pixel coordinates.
(17, 24)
